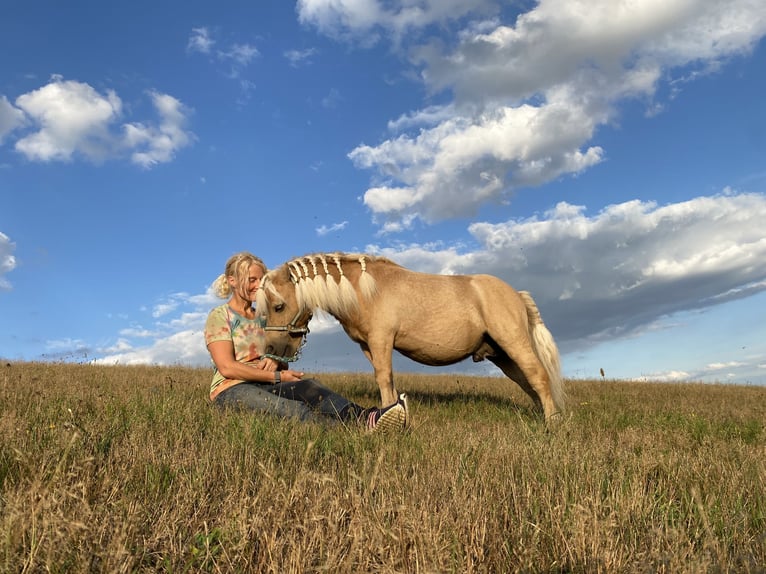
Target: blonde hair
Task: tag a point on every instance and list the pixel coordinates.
(238, 266)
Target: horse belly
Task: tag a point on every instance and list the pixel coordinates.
(435, 351)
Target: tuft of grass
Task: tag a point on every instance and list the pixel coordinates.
(130, 469)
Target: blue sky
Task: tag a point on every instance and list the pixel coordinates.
(607, 156)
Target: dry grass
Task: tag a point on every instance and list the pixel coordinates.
(127, 469)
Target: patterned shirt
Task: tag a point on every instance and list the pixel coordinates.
(247, 336)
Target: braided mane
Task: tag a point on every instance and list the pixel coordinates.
(332, 282)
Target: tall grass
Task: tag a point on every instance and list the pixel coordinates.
(128, 469)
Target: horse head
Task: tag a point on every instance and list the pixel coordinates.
(286, 318)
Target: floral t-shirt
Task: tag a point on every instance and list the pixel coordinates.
(247, 336)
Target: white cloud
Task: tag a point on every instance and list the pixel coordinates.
(7, 260)
(161, 309)
(72, 120)
(10, 117)
(359, 18)
(325, 229)
(200, 41)
(527, 96)
(332, 100)
(299, 58)
(72, 117)
(450, 170)
(667, 376)
(121, 346)
(137, 332)
(176, 337)
(431, 115)
(237, 55)
(720, 366)
(184, 347)
(155, 144)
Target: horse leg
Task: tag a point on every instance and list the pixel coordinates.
(489, 349)
(528, 371)
(513, 372)
(380, 357)
(538, 379)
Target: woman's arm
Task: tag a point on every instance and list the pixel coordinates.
(222, 353)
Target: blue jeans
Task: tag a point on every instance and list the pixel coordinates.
(306, 400)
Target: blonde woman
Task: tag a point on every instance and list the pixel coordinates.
(243, 378)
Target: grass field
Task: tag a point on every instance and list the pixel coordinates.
(128, 469)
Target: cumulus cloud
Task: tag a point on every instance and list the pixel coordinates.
(184, 347)
(158, 143)
(71, 120)
(452, 169)
(527, 91)
(614, 273)
(7, 260)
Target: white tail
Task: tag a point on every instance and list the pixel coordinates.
(546, 350)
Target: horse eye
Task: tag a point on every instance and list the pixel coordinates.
(279, 307)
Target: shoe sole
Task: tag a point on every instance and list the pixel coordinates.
(394, 419)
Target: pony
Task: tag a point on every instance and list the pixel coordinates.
(431, 319)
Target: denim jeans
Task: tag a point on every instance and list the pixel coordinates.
(306, 400)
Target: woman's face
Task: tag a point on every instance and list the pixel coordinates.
(251, 282)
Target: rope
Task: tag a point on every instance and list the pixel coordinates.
(292, 359)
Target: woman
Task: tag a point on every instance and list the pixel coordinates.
(245, 379)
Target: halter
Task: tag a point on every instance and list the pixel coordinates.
(292, 329)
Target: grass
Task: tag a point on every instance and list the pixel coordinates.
(128, 469)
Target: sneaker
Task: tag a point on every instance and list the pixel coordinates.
(393, 418)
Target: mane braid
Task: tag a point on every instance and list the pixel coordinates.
(331, 302)
(306, 286)
(295, 277)
(367, 284)
(348, 298)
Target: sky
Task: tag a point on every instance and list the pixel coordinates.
(609, 156)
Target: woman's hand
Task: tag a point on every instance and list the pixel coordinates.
(267, 364)
(290, 376)
(286, 375)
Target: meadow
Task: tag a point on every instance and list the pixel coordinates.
(129, 469)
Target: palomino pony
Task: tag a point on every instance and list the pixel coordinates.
(432, 319)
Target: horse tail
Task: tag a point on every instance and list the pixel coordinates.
(546, 350)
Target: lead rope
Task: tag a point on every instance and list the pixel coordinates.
(287, 359)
